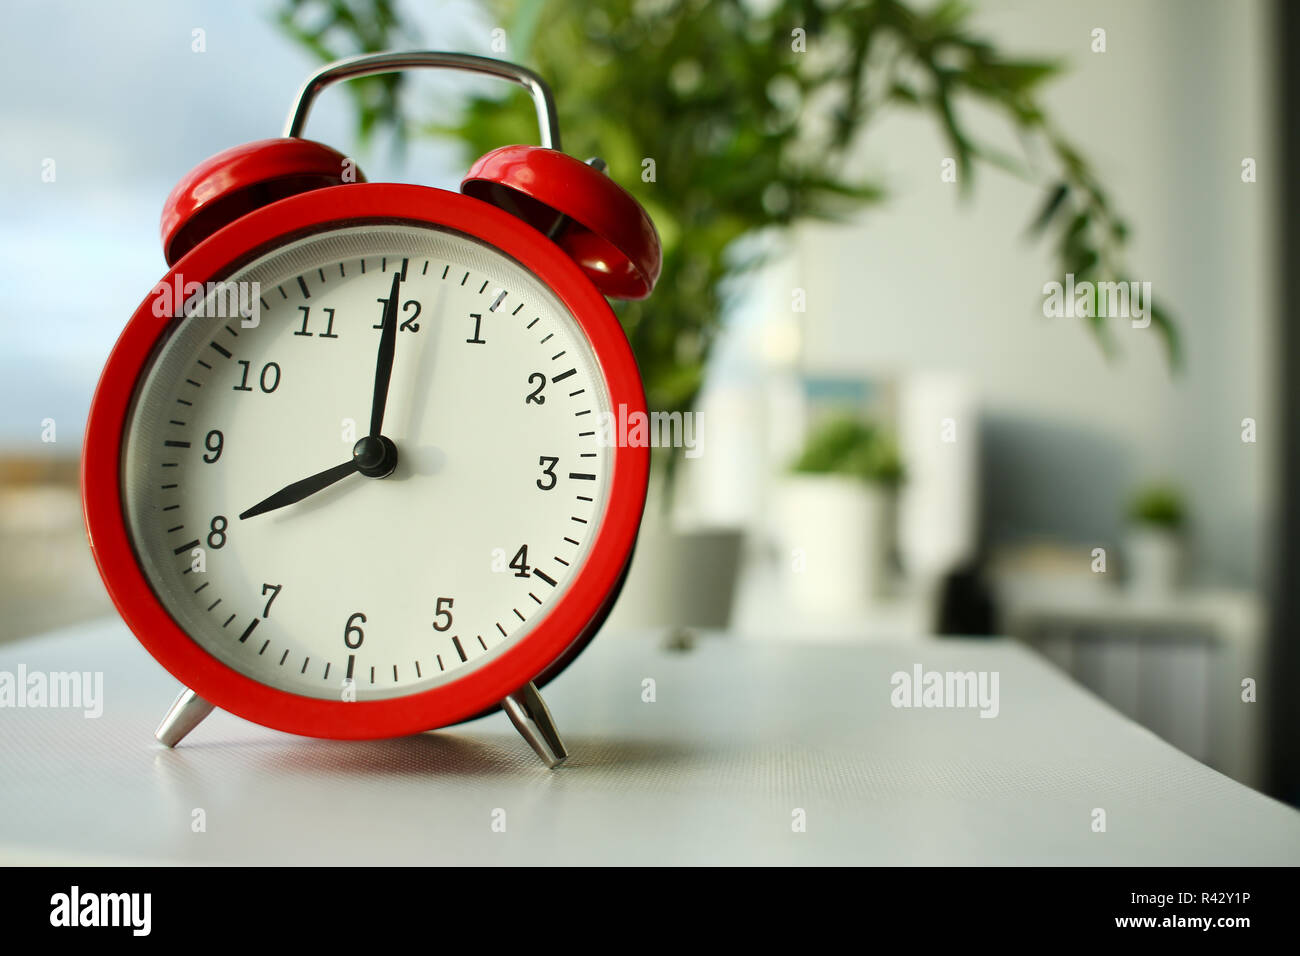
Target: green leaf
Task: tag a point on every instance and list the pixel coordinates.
(1163, 324)
(1055, 202)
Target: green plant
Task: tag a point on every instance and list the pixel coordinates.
(1158, 506)
(730, 108)
(844, 445)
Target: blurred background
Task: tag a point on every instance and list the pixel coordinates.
(863, 205)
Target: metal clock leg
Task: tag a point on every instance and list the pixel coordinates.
(186, 713)
(529, 714)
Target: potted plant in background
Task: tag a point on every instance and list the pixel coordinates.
(1157, 517)
(836, 516)
(702, 111)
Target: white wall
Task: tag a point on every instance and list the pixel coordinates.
(928, 282)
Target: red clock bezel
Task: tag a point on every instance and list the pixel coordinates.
(245, 239)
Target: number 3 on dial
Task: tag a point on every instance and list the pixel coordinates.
(548, 463)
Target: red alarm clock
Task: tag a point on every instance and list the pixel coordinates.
(350, 470)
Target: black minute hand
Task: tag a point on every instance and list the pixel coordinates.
(384, 361)
(302, 489)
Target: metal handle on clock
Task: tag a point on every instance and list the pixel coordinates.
(371, 64)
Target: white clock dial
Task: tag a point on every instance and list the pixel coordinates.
(394, 584)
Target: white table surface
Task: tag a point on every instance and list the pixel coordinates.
(741, 734)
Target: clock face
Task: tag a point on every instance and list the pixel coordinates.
(370, 588)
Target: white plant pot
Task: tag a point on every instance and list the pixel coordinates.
(1154, 561)
(835, 534)
(683, 575)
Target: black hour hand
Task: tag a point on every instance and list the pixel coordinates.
(302, 489)
(374, 457)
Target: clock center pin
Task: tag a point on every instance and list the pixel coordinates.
(375, 456)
